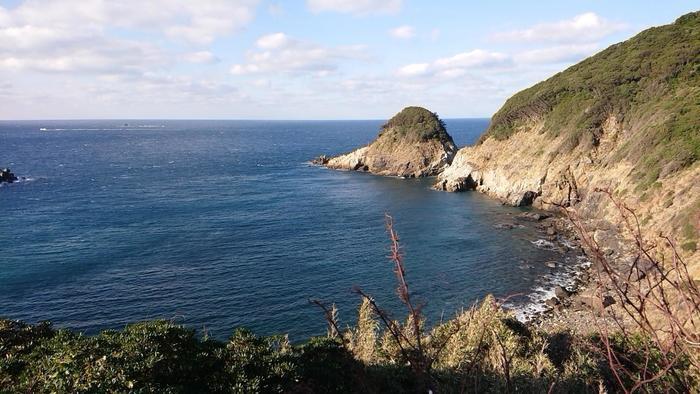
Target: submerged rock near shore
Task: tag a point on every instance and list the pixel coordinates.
(414, 143)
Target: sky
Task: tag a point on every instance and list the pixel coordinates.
(295, 59)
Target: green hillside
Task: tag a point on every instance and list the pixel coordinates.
(650, 82)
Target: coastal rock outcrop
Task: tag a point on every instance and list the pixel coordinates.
(414, 143)
(625, 120)
(6, 176)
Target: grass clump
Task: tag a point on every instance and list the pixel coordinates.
(690, 246)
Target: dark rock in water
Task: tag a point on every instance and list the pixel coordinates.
(506, 226)
(533, 216)
(321, 160)
(7, 176)
(561, 292)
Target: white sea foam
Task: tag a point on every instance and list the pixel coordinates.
(544, 244)
(535, 301)
(568, 243)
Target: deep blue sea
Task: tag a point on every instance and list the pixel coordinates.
(221, 224)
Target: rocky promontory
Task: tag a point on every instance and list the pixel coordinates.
(412, 144)
(625, 120)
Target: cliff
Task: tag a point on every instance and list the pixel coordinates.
(414, 143)
(626, 119)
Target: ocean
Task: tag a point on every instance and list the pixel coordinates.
(224, 224)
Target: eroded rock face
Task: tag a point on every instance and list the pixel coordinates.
(414, 143)
(594, 131)
(493, 171)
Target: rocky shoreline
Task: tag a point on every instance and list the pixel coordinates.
(577, 307)
(568, 274)
(571, 301)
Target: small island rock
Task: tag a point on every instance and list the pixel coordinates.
(414, 143)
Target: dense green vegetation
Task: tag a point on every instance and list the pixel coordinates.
(416, 124)
(487, 351)
(651, 83)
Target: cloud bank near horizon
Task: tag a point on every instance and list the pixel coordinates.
(255, 59)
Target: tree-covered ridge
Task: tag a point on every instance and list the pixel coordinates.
(416, 124)
(650, 83)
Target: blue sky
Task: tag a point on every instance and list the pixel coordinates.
(304, 59)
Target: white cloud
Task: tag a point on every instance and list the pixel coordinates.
(278, 52)
(262, 83)
(272, 41)
(457, 65)
(403, 32)
(416, 69)
(201, 57)
(557, 54)
(358, 7)
(77, 35)
(475, 58)
(6, 90)
(587, 27)
(114, 51)
(198, 22)
(99, 55)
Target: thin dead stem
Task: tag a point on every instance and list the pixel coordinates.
(657, 298)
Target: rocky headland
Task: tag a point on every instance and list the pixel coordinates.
(625, 120)
(412, 144)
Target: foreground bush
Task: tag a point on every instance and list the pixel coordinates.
(487, 351)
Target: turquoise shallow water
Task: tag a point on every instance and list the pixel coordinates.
(219, 224)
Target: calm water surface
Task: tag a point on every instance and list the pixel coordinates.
(220, 224)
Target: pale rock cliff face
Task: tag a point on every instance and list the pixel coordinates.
(414, 143)
(529, 169)
(518, 170)
(626, 120)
